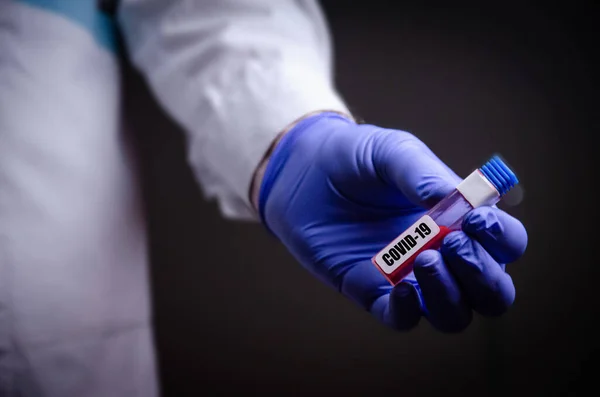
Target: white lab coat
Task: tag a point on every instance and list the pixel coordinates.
(74, 294)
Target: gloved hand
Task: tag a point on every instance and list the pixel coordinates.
(335, 193)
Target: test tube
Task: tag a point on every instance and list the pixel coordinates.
(484, 186)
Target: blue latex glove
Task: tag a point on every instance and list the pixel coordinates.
(335, 193)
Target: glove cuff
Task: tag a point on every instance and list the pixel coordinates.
(280, 153)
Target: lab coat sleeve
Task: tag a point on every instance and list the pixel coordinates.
(233, 74)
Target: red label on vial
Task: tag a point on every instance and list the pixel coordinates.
(396, 260)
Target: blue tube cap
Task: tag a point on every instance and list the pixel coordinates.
(499, 175)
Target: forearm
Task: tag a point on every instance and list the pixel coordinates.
(233, 74)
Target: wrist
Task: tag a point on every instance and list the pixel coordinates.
(257, 178)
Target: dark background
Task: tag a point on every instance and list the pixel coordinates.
(518, 80)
